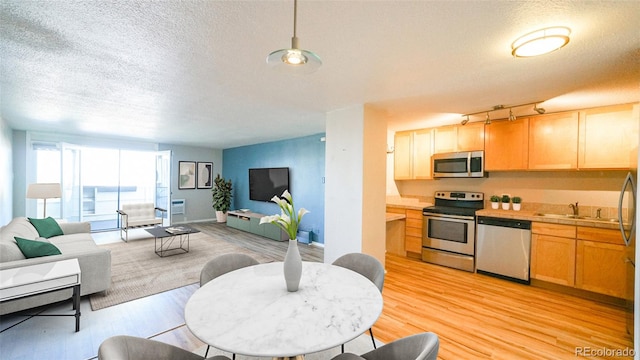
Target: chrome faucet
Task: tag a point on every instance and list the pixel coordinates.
(598, 213)
(574, 207)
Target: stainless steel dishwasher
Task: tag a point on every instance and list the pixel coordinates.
(503, 248)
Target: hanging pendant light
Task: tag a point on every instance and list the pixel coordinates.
(299, 60)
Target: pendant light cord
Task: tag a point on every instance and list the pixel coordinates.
(295, 16)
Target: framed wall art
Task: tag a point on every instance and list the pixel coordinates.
(205, 178)
(186, 175)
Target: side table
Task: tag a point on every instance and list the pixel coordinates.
(21, 282)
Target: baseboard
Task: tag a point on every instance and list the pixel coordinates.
(193, 221)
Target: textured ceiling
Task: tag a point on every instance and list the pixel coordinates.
(194, 72)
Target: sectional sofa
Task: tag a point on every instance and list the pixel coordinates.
(76, 242)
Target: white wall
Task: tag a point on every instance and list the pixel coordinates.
(343, 183)
(198, 202)
(355, 183)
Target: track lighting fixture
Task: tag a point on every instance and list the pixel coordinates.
(512, 116)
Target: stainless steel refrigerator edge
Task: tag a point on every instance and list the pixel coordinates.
(627, 220)
(634, 320)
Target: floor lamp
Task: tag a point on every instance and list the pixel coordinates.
(44, 191)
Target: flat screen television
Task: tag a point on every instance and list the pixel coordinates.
(265, 183)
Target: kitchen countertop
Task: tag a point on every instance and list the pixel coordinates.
(394, 216)
(407, 203)
(530, 215)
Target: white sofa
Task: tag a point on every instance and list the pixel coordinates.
(95, 262)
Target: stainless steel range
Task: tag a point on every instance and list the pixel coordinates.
(448, 231)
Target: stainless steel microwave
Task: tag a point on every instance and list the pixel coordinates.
(464, 164)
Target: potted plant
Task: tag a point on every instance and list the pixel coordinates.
(221, 193)
(516, 203)
(495, 201)
(505, 202)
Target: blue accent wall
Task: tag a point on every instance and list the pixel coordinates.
(303, 156)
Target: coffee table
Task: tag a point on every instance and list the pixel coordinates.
(173, 240)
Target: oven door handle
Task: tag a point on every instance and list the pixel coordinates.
(461, 217)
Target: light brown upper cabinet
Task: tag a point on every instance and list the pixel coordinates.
(453, 138)
(403, 155)
(609, 137)
(444, 139)
(412, 154)
(422, 151)
(470, 137)
(553, 141)
(506, 145)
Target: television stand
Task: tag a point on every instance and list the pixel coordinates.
(250, 222)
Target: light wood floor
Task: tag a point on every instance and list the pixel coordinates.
(475, 316)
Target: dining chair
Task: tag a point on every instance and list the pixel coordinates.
(367, 266)
(423, 346)
(221, 265)
(123, 347)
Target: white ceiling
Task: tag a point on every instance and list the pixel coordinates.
(194, 72)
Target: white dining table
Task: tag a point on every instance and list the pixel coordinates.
(249, 311)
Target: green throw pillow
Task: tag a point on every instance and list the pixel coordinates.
(33, 248)
(46, 227)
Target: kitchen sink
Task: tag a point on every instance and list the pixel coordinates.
(557, 216)
(577, 217)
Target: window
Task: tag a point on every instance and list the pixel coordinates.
(96, 181)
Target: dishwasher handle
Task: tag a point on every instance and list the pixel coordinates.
(502, 222)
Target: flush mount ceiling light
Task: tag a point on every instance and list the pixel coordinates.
(303, 61)
(541, 41)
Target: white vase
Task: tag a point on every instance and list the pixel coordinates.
(495, 205)
(292, 266)
(505, 206)
(221, 216)
(516, 207)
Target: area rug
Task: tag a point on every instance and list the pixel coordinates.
(136, 270)
(358, 346)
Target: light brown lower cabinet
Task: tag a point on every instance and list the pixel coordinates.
(586, 258)
(412, 230)
(600, 261)
(553, 259)
(413, 233)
